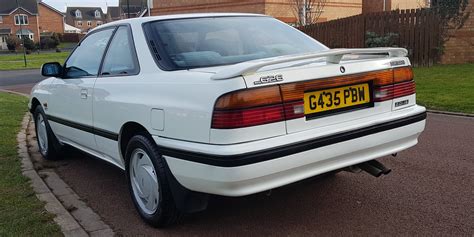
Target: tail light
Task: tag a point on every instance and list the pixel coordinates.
(248, 108)
(252, 107)
(402, 85)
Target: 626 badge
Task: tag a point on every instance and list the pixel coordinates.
(269, 79)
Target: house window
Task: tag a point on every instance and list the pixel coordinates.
(78, 14)
(21, 19)
(97, 14)
(89, 23)
(79, 23)
(98, 23)
(1, 19)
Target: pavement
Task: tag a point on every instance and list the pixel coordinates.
(429, 192)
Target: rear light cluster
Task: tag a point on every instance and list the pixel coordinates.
(252, 107)
(402, 85)
(390, 92)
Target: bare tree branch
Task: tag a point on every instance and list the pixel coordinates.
(307, 11)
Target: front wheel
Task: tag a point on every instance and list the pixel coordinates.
(148, 183)
(48, 144)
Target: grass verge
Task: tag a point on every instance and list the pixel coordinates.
(446, 87)
(33, 60)
(21, 213)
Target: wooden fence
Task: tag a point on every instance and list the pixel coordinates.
(418, 31)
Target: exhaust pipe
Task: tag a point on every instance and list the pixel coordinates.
(374, 168)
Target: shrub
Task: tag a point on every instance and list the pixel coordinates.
(13, 43)
(50, 42)
(374, 40)
(58, 50)
(29, 44)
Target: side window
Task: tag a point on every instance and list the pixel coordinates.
(86, 58)
(121, 58)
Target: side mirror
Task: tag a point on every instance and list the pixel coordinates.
(52, 69)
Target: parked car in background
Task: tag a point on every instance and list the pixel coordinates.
(225, 104)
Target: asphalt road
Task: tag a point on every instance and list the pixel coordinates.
(430, 191)
(20, 80)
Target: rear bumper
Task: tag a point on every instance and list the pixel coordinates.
(251, 172)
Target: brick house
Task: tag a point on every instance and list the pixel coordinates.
(12, 17)
(85, 18)
(280, 9)
(50, 19)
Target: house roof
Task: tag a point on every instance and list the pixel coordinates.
(87, 13)
(5, 31)
(113, 12)
(68, 28)
(7, 7)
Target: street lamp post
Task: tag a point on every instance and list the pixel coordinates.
(21, 33)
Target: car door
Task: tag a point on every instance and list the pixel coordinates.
(70, 105)
(119, 72)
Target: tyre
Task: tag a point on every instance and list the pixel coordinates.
(48, 144)
(148, 184)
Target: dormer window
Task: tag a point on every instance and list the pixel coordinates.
(78, 14)
(97, 14)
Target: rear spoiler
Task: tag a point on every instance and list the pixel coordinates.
(333, 56)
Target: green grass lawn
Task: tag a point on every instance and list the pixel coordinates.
(67, 45)
(21, 213)
(34, 60)
(446, 87)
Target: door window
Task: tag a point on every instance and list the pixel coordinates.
(86, 58)
(121, 58)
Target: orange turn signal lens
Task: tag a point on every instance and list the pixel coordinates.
(249, 98)
(402, 74)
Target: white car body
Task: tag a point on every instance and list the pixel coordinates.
(176, 109)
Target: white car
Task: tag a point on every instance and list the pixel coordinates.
(225, 104)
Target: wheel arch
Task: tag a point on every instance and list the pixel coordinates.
(127, 131)
(34, 102)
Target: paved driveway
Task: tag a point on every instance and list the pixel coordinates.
(429, 192)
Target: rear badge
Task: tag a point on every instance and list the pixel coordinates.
(397, 63)
(269, 79)
(401, 103)
(342, 69)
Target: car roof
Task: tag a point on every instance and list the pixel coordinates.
(141, 20)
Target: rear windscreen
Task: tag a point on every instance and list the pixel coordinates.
(206, 42)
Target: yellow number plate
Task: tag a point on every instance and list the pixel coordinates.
(330, 100)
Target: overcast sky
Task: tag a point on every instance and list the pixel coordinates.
(62, 4)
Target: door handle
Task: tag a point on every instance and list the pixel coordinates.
(84, 94)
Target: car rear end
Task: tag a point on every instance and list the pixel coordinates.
(299, 116)
(276, 133)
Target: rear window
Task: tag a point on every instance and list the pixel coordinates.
(206, 42)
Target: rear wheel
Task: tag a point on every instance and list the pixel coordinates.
(48, 144)
(148, 183)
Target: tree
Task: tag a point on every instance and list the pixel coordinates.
(28, 43)
(13, 42)
(451, 12)
(307, 12)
